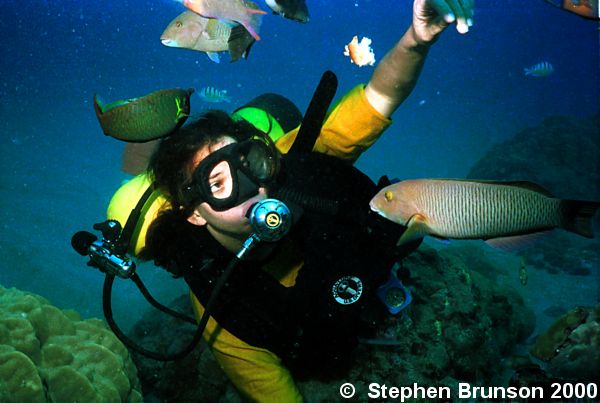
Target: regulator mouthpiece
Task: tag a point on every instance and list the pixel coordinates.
(271, 220)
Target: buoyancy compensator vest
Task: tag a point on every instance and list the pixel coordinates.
(346, 251)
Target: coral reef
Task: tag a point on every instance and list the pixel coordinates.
(563, 155)
(459, 324)
(47, 354)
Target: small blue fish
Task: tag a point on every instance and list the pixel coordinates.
(542, 69)
(213, 95)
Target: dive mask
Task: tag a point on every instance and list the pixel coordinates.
(233, 174)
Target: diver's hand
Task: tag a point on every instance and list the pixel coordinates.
(431, 17)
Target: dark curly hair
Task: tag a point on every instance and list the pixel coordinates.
(171, 165)
(170, 169)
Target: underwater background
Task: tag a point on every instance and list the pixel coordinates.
(58, 170)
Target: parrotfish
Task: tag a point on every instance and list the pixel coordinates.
(542, 69)
(193, 31)
(146, 118)
(505, 214)
(238, 11)
(295, 10)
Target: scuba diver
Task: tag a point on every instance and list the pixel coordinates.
(298, 306)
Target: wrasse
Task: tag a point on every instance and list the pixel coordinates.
(505, 214)
(542, 69)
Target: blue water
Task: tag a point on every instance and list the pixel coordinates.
(58, 171)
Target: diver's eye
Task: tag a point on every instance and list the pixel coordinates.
(215, 186)
(178, 24)
(389, 195)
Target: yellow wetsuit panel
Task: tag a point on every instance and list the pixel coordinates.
(257, 373)
(350, 128)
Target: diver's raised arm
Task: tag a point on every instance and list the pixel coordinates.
(396, 75)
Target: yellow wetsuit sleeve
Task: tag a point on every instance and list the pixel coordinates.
(350, 128)
(258, 374)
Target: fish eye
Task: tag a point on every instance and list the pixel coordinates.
(178, 24)
(389, 195)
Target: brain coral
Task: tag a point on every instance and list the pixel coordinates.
(50, 355)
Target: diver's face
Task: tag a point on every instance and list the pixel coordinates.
(227, 226)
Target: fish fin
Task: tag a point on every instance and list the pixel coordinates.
(137, 155)
(181, 113)
(442, 240)
(228, 23)
(576, 216)
(416, 228)
(239, 43)
(247, 52)
(254, 21)
(98, 106)
(515, 243)
(214, 56)
(529, 185)
(251, 10)
(522, 184)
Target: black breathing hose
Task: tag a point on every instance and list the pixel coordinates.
(107, 307)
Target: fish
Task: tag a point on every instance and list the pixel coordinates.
(507, 215)
(213, 95)
(192, 31)
(360, 53)
(584, 8)
(523, 276)
(136, 156)
(542, 69)
(238, 11)
(548, 344)
(295, 10)
(145, 118)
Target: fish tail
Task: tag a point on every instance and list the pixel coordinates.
(98, 106)
(576, 216)
(255, 11)
(251, 31)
